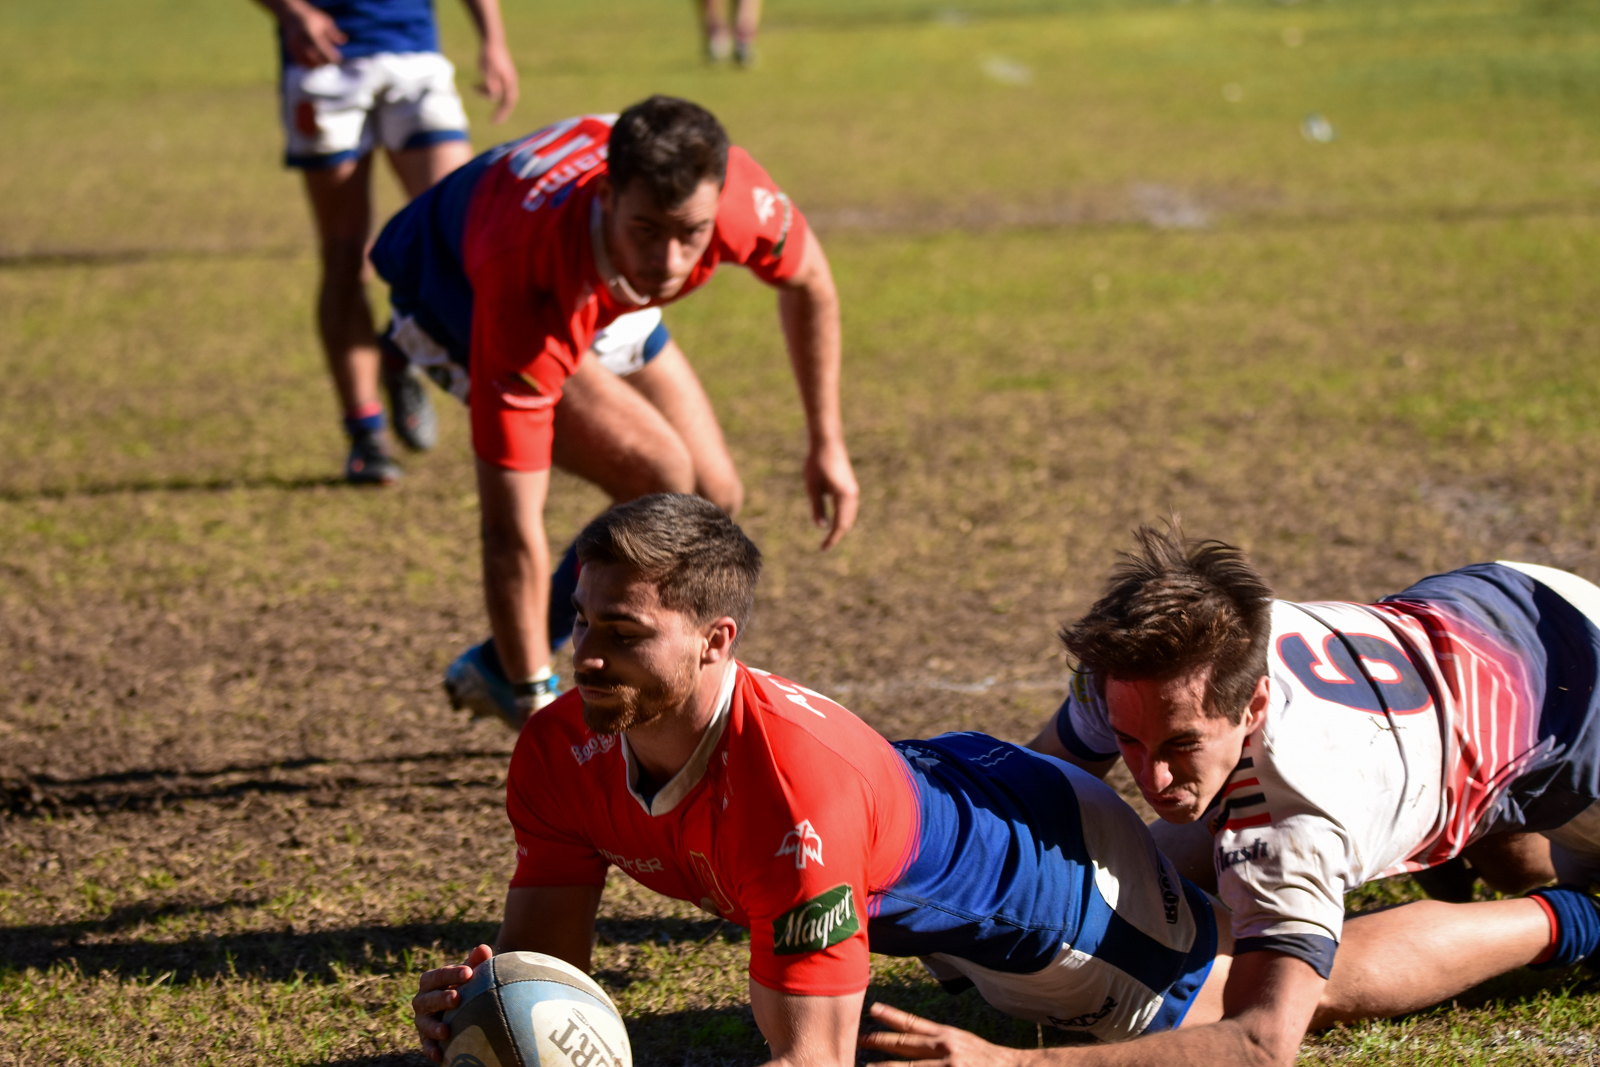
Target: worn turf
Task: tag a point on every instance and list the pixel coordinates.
(1094, 272)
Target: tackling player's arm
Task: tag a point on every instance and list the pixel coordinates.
(808, 305)
(1268, 1003)
(806, 1031)
(555, 920)
(499, 73)
(1049, 742)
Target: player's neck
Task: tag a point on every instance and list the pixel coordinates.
(664, 746)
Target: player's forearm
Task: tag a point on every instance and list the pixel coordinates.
(810, 315)
(1229, 1043)
(516, 566)
(486, 17)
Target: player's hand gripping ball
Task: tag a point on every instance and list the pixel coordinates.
(526, 1009)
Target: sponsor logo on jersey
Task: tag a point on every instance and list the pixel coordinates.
(582, 1043)
(798, 694)
(633, 866)
(597, 745)
(1232, 857)
(803, 843)
(1078, 1022)
(766, 202)
(1169, 899)
(826, 919)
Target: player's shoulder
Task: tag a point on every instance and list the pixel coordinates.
(753, 206)
(798, 733)
(556, 740)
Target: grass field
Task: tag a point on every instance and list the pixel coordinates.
(1093, 272)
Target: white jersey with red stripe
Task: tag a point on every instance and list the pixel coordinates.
(1397, 734)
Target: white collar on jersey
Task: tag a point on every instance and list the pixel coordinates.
(615, 282)
(668, 796)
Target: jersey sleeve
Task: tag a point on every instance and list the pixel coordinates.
(805, 883)
(551, 849)
(759, 226)
(524, 346)
(1283, 868)
(1082, 724)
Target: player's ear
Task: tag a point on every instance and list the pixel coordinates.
(1255, 713)
(603, 190)
(720, 636)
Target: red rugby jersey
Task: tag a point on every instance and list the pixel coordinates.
(538, 296)
(789, 817)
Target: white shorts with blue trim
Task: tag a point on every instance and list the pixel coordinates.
(341, 111)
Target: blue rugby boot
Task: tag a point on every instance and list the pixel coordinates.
(369, 462)
(477, 683)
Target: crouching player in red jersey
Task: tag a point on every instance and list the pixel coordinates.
(770, 805)
(1296, 751)
(502, 275)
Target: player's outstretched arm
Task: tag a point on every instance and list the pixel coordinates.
(310, 35)
(555, 920)
(495, 66)
(807, 1031)
(1268, 1003)
(808, 305)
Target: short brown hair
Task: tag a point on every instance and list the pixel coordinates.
(669, 144)
(701, 563)
(1174, 605)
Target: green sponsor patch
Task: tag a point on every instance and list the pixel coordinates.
(826, 919)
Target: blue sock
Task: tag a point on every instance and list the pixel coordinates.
(1577, 919)
(367, 419)
(563, 583)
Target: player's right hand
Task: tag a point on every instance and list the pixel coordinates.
(436, 994)
(310, 36)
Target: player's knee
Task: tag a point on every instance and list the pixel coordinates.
(726, 492)
(670, 470)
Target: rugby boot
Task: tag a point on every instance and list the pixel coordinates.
(416, 424)
(476, 683)
(369, 462)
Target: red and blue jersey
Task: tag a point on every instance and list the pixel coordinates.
(797, 821)
(503, 263)
(1397, 733)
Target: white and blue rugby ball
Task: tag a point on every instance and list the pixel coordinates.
(526, 1009)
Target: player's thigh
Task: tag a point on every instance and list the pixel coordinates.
(420, 168)
(671, 386)
(341, 201)
(1511, 863)
(609, 434)
(1575, 848)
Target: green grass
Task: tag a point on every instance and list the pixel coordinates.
(1117, 285)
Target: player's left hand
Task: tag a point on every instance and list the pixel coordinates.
(831, 485)
(499, 79)
(930, 1044)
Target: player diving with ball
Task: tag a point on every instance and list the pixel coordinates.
(768, 804)
(1296, 751)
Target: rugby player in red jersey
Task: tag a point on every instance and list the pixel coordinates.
(769, 805)
(1296, 751)
(502, 274)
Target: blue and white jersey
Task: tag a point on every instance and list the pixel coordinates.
(378, 26)
(1040, 885)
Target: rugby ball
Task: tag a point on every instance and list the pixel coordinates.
(526, 1009)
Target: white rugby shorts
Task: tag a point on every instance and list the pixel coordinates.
(622, 348)
(342, 111)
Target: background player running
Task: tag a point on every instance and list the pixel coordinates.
(768, 804)
(357, 73)
(502, 275)
(1328, 744)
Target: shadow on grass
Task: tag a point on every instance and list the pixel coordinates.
(178, 484)
(151, 790)
(287, 955)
